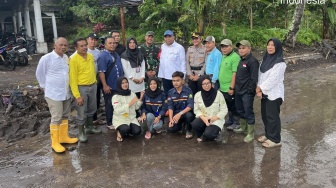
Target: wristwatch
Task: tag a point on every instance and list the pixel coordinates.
(230, 88)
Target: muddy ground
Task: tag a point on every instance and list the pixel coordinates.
(306, 158)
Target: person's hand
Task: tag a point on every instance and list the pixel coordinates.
(213, 119)
(171, 123)
(157, 119)
(141, 80)
(80, 101)
(231, 92)
(153, 73)
(149, 74)
(107, 89)
(177, 117)
(133, 101)
(213, 85)
(191, 77)
(142, 118)
(205, 120)
(259, 94)
(196, 77)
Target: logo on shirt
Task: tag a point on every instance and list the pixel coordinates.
(190, 96)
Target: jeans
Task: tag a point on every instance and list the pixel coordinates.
(167, 85)
(90, 103)
(126, 130)
(151, 127)
(270, 114)
(209, 132)
(244, 107)
(186, 118)
(108, 107)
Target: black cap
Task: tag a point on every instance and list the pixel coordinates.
(93, 35)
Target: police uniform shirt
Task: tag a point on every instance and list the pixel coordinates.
(195, 59)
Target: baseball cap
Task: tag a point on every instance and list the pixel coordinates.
(244, 43)
(210, 39)
(195, 35)
(93, 35)
(150, 33)
(168, 32)
(226, 42)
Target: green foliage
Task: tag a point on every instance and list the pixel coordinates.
(81, 32)
(307, 37)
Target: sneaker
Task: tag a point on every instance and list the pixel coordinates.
(233, 126)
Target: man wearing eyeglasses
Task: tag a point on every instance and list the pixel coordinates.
(110, 69)
(195, 59)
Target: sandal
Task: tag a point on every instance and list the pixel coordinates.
(189, 135)
(148, 135)
(158, 132)
(119, 138)
(270, 144)
(262, 139)
(199, 140)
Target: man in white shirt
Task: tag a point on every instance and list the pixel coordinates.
(52, 75)
(172, 59)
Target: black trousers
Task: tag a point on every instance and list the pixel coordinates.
(209, 132)
(108, 107)
(126, 130)
(186, 118)
(230, 103)
(270, 114)
(244, 107)
(167, 85)
(193, 85)
(99, 89)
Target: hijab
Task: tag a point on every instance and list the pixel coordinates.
(155, 93)
(207, 96)
(134, 56)
(119, 90)
(269, 60)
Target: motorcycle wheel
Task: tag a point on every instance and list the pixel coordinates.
(9, 64)
(24, 61)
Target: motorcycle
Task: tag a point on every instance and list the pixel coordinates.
(18, 54)
(5, 61)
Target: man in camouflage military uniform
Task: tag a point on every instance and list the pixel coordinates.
(195, 60)
(151, 56)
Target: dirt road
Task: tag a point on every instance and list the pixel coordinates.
(306, 159)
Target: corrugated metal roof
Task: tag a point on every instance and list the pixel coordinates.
(107, 3)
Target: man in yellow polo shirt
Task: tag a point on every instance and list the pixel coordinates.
(83, 87)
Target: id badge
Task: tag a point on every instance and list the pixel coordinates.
(138, 69)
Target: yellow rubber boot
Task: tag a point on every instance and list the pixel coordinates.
(64, 133)
(58, 148)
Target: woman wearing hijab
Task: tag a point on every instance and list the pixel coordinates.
(134, 66)
(210, 109)
(125, 103)
(154, 107)
(270, 89)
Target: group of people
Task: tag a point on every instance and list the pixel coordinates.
(144, 83)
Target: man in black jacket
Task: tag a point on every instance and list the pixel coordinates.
(246, 83)
(120, 48)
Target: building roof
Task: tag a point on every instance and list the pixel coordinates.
(107, 3)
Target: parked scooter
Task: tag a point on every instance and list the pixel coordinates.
(18, 54)
(5, 61)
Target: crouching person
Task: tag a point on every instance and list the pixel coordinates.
(210, 110)
(125, 103)
(154, 107)
(180, 104)
(52, 75)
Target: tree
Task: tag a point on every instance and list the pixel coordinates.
(290, 38)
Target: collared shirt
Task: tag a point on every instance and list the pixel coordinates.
(52, 73)
(96, 53)
(105, 61)
(82, 72)
(228, 67)
(271, 81)
(247, 75)
(179, 101)
(172, 59)
(195, 58)
(151, 56)
(212, 64)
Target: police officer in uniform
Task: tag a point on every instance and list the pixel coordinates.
(195, 59)
(151, 56)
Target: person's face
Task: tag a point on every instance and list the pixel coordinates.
(244, 50)
(209, 46)
(169, 39)
(61, 46)
(92, 42)
(226, 49)
(110, 44)
(81, 47)
(270, 47)
(177, 82)
(124, 84)
(153, 85)
(206, 85)
(196, 41)
(149, 39)
(116, 36)
(132, 45)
